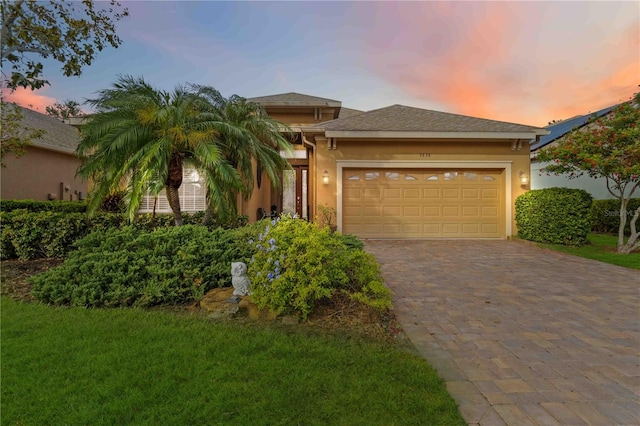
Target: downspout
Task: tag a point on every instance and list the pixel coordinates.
(315, 168)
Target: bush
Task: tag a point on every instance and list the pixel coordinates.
(114, 203)
(131, 267)
(351, 241)
(554, 215)
(296, 264)
(29, 235)
(41, 206)
(605, 215)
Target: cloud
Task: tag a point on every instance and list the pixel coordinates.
(28, 99)
(520, 62)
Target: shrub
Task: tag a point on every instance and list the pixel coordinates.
(296, 264)
(40, 206)
(46, 233)
(114, 203)
(554, 215)
(351, 241)
(131, 267)
(605, 215)
(28, 235)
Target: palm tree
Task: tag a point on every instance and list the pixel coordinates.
(254, 137)
(141, 135)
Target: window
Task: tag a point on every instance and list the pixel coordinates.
(409, 177)
(487, 177)
(371, 175)
(432, 177)
(470, 176)
(450, 175)
(392, 175)
(354, 177)
(192, 195)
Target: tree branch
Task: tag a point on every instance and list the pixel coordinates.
(25, 49)
(9, 19)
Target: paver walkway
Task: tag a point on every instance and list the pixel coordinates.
(521, 335)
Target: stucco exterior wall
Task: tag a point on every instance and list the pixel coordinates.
(39, 173)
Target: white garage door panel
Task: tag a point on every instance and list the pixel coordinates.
(401, 203)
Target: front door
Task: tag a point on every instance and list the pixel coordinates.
(295, 192)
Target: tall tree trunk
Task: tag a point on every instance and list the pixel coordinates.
(623, 222)
(633, 243)
(173, 197)
(172, 185)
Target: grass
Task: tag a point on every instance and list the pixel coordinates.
(601, 247)
(130, 366)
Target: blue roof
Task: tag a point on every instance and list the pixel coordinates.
(560, 129)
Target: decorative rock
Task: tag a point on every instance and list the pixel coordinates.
(239, 279)
(216, 302)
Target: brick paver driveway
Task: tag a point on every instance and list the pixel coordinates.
(520, 334)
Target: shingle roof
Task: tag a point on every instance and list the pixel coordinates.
(58, 136)
(295, 99)
(400, 118)
(560, 129)
(349, 112)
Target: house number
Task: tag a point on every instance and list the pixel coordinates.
(425, 154)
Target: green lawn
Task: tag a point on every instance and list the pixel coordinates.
(601, 247)
(129, 366)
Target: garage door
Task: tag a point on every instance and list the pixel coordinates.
(400, 203)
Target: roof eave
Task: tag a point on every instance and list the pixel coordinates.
(299, 104)
(54, 148)
(385, 134)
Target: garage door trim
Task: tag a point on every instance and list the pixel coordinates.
(399, 164)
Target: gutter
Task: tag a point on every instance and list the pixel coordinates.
(53, 148)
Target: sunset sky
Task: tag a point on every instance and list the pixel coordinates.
(523, 62)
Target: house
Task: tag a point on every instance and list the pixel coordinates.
(539, 179)
(398, 172)
(48, 168)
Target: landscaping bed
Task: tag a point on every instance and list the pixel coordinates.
(336, 315)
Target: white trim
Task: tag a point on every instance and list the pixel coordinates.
(386, 134)
(408, 164)
(296, 154)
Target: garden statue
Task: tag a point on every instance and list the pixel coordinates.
(239, 279)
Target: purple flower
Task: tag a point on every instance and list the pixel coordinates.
(272, 241)
(270, 276)
(250, 240)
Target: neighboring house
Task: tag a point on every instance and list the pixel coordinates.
(48, 168)
(398, 172)
(540, 180)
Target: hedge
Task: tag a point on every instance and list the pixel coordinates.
(132, 267)
(605, 215)
(30, 235)
(554, 215)
(41, 206)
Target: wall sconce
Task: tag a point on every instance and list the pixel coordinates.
(524, 178)
(325, 177)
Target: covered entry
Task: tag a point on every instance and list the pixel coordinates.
(423, 203)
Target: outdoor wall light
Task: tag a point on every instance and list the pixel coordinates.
(524, 178)
(325, 177)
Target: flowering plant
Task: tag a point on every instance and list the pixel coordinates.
(296, 263)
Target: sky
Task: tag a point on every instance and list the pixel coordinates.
(521, 62)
